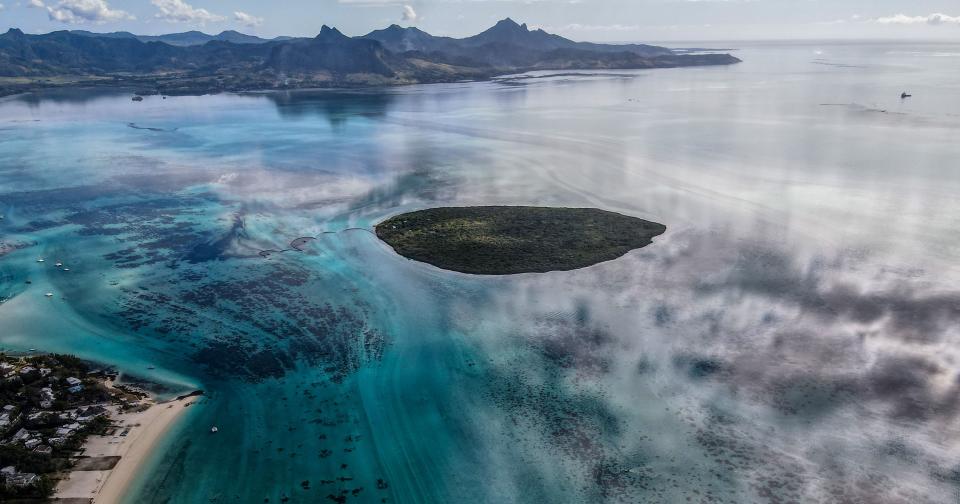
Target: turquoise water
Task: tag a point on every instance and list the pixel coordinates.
(791, 338)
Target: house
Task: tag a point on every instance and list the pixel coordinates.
(90, 412)
(74, 389)
(25, 370)
(46, 397)
(67, 430)
(38, 417)
(6, 368)
(8, 417)
(63, 432)
(21, 435)
(43, 450)
(21, 480)
(57, 441)
(45, 371)
(32, 443)
(74, 381)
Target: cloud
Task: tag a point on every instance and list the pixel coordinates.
(577, 27)
(409, 14)
(932, 20)
(247, 19)
(178, 11)
(82, 11)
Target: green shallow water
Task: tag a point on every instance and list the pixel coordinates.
(792, 336)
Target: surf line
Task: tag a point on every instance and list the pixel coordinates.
(134, 126)
(298, 244)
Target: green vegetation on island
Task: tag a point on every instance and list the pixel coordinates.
(505, 240)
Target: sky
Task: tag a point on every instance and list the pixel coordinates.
(594, 20)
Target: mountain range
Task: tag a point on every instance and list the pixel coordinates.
(194, 62)
(189, 38)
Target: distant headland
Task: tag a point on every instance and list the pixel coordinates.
(505, 240)
(197, 63)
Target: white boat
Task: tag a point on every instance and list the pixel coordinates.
(214, 429)
(66, 269)
(58, 264)
(49, 294)
(40, 260)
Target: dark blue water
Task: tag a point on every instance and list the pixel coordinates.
(792, 338)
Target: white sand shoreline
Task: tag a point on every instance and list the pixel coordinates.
(146, 429)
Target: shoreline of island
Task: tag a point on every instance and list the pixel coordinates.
(189, 85)
(140, 434)
(70, 433)
(160, 420)
(510, 240)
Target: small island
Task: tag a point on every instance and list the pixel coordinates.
(507, 240)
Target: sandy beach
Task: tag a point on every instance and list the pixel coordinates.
(143, 430)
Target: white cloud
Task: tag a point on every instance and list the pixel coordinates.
(577, 27)
(178, 11)
(1, 7)
(247, 19)
(82, 11)
(409, 15)
(932, 20)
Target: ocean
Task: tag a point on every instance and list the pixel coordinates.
(791, 338)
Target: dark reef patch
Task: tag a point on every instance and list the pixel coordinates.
(264, 324)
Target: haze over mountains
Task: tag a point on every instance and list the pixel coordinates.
(189, 38)
(194, 62)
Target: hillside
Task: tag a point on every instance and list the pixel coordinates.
(194, 62)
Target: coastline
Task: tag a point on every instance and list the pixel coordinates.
(134, 441)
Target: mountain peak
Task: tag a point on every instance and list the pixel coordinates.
(510, 24)
(14, 32)
(328, 33)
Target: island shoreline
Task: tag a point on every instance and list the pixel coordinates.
(148, 429)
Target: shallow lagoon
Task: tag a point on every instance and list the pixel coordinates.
(793, 335)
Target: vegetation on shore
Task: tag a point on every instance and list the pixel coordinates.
(503, 240)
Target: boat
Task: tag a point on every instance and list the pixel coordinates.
(40, 260)
(49, 294)
(137, 98)
(904, 95)
(214, 429)
(66, 269)
(58, 264)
